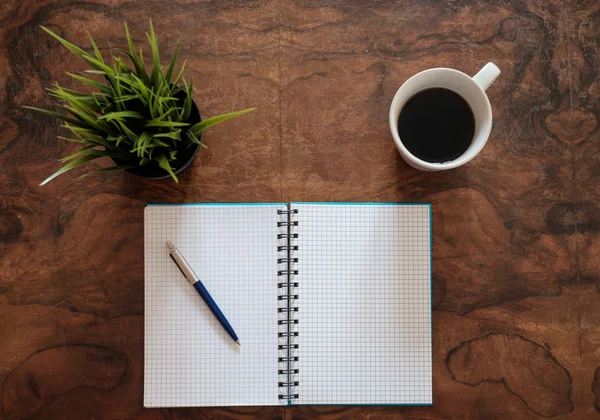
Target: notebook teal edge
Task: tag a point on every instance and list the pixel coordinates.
(360, 405)
(212, 204)
(347, 203)
(390, 203)
(363, 203)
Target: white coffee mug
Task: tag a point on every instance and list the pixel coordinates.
(471, 89)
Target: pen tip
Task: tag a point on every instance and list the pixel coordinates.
(238, 343)
(170, 245)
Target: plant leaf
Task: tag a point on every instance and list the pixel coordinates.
(83, 132)
(96, 50)
(121, 67)
(87, 105)
(164, 163)
(58, 115)
(158, 123)
(141, 89)
(121, 114)
(68, 167)
(85, 117)
(171, 67)
(157, 142)
(166, 113)
(119, 139)
(175, 135)
(95, 152)
(141, 144)
(57, 88)
(79, 52)
(187, 102)
(78, 153)
(156, 69)
(91, 82)
(138, 62)
(130, 134)
(126, 98)
(93, 142)
(194, 140)
(196, 129)
(143, 67)
(180, 72)
(116, 168)
(77, 140)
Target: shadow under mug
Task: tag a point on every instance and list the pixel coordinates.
(472, 89)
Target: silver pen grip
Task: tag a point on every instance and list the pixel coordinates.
(186, 269)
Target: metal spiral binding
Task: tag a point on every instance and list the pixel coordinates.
(287, 235)
(286, 248)
(287, 309)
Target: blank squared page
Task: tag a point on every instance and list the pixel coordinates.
(189, 359)
(364, 303)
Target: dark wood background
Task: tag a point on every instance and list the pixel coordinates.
(516, 232)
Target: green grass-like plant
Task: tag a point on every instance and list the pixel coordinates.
(134, 116)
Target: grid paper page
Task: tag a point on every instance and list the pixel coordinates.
(364, 304)
(189, 360)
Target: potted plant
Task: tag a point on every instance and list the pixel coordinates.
(145, 121)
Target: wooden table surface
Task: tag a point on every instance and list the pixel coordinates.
(516, 321)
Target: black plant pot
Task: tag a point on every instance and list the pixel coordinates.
(184, 156)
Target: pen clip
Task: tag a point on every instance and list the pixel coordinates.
(175, 261)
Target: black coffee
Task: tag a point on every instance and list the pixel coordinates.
(436, 125)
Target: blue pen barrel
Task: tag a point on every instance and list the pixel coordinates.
(210, 302)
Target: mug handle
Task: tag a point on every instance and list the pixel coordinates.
(487, 75)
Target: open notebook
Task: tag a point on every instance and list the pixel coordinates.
(359, 275)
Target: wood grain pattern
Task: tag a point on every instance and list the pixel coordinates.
(516, 231)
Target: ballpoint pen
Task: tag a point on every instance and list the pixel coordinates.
(193, 279)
